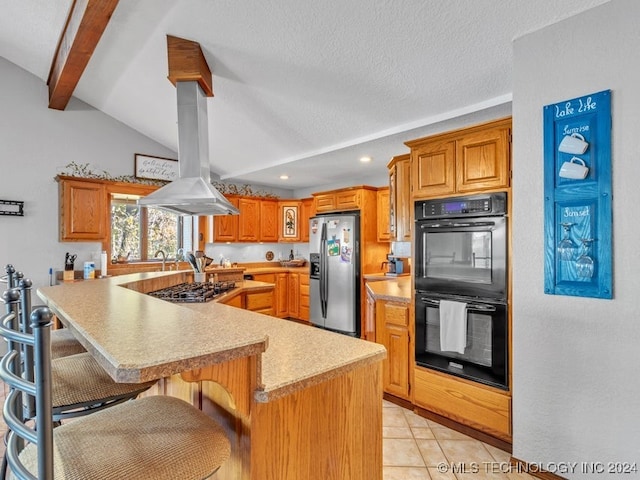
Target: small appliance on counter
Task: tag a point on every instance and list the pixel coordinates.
(397, 266)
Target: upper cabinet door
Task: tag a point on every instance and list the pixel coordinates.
(482, 160)
(290, 221)
(403, 204)
(225, 227)
(384, 214)
(249, 219)
(83, 211)
(268, 220)
(306, 212)
(468, 160)
(434, 168)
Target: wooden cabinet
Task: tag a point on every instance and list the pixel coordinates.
(225, 227)
(293, 295)
(351, 198)
(263, 220)
(249, 219)
(290, 220)
(290, 294)
(84, 211)
(478, 406)
(306, 212)
(325, 202)
(392, 331)
(268, 221)
(369, 329)
(303, 306)
(400, 204)
(463, 161)
(384, 230)
(260, 302)
(281, 303)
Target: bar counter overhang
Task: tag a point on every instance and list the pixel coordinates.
(298, 402)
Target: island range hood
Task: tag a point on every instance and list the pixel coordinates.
(192, 193)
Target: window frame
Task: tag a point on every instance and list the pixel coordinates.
(138, 190)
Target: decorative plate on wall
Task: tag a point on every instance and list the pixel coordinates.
(269, 255)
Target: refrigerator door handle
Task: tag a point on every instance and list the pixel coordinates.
(324, 277)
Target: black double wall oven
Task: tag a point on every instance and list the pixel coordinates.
(461, 264)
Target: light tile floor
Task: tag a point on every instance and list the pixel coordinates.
(415, 448)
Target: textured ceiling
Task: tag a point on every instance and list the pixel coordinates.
(302, 88)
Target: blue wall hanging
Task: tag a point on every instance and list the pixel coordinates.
(577, 197)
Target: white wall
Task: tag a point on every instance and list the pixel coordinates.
(576, 385)
(35, 144)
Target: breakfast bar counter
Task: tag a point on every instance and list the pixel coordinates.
(297, 401)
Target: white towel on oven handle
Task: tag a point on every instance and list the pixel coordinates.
(453, 326)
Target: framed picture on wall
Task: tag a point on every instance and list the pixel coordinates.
(156, 168)
(290, 221)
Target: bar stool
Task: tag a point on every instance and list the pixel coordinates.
(79, 384)
(155, 437)
(63, 343)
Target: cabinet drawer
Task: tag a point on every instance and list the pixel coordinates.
(265, 277)
(304, 301)
(259, 301)
(395, 313)
(479, 407)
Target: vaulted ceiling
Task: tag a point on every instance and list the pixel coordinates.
(302, 88)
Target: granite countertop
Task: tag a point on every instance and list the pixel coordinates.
(136, 337)
(396, 289)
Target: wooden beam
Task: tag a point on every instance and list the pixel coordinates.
(86, 22)
(187, 63)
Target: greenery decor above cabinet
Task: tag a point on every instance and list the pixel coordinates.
(468, 160)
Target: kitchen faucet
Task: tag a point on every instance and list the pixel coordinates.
(179, 256)
(164, 257)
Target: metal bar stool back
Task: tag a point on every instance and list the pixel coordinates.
(171, 439)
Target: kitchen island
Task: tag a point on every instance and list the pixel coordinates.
(297, 402)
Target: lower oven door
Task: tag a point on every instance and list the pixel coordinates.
(486, 354)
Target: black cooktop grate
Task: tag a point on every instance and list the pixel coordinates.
(196, 292)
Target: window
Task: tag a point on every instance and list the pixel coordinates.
(138, 233)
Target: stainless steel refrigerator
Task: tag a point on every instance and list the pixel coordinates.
(334, 258)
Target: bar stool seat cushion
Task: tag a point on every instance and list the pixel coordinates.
(79, 379)
(63, 343)
(157, 437)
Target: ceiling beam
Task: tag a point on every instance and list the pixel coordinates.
(86, 22)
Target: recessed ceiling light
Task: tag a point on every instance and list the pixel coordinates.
(365, 159)
(284, 177)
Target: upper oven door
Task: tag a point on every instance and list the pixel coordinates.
(465, 256)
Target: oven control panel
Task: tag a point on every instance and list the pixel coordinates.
(472, 206)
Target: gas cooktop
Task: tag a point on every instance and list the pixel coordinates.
(196, 292)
